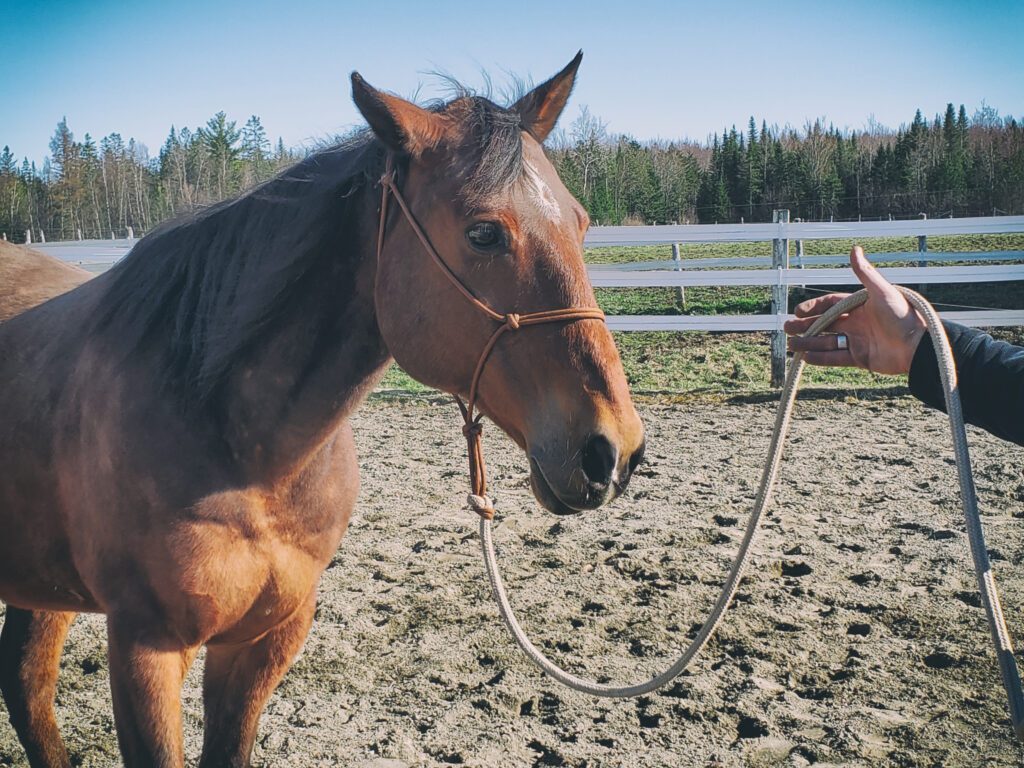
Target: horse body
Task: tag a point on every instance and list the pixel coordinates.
(174, 432)
(198, 522)
(28, 278)
(184, 530)
(37, 360)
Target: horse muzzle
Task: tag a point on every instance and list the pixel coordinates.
(589, 478)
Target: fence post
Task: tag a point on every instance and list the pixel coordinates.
(780, 297)
(42, 236)
(800, 253)
(922, 246)
(799, 250)
(677, 265)
(922, 253)
(800, 257)
(131, 233)
(28, 237)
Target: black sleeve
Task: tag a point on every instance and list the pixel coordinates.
(991, 378)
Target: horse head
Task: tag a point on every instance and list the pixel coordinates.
(481, 196)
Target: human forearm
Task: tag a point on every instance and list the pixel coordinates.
(990, 375)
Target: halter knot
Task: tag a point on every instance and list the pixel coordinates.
(512, 321)
(472, 428)
(482, 505)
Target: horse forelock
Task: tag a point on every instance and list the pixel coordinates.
(488, 143)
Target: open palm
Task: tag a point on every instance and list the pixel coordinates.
(882, 334)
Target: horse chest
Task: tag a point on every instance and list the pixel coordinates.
(255, 558)
(246, 571)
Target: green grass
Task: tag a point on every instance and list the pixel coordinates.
(396, 381)
(709, 300)
(728, 363)
(668, 364)
(756, 299)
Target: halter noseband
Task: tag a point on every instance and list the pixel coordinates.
(472, 428)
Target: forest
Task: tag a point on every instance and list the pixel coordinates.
(951, 165)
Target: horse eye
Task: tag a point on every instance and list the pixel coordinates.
(486, 236)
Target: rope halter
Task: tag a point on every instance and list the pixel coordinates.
(472, 429)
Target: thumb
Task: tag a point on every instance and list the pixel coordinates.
(870, 277)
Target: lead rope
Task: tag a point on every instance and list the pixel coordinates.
(982, 566)
(481, 503)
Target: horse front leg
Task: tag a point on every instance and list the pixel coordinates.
(146, 674)
(237, 681)
(30, 648)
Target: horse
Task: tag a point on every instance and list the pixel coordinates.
(174, 433)
(28, 278)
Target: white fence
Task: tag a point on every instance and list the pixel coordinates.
(781, 277)
(100, 254)
(599, 237)
(795, 278)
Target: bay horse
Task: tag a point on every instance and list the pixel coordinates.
(28, 278)
(174, 433)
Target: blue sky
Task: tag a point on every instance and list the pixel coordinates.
(651, 68)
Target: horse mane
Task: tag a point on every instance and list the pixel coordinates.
(204, 287)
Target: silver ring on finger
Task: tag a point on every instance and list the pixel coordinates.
(842, 342)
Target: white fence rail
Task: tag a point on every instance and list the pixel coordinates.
(801, 277)
(781, 277)
(774, 271)
(600, 237)
(747, 323)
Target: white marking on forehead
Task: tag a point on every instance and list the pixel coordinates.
(541, 193)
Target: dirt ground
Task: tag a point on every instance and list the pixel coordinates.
(856, 639)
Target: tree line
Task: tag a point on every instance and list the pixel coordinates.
(951, 165)
(90, 190)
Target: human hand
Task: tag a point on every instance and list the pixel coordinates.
(881, 334)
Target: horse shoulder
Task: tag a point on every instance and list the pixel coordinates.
(246, 558)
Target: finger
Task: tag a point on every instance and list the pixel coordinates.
(818, 305)
(801, 325)
(835, 357)
(824, 343)
(798, 325)
(865, 271)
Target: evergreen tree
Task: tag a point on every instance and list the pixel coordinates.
(753, 171)
(89, 159)
(255, 152)
(221, 139)
(62, 149)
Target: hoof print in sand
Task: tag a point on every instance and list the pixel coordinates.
(940, 660)
(751, 728)
(795, 569)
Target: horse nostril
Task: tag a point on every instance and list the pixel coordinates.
(599, 460)
(631, 466)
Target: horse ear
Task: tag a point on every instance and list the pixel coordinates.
(400, 124)
(540, 108)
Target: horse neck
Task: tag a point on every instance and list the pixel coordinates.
(312, 367)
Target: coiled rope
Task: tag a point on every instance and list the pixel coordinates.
(480, 502)
(976, 536)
